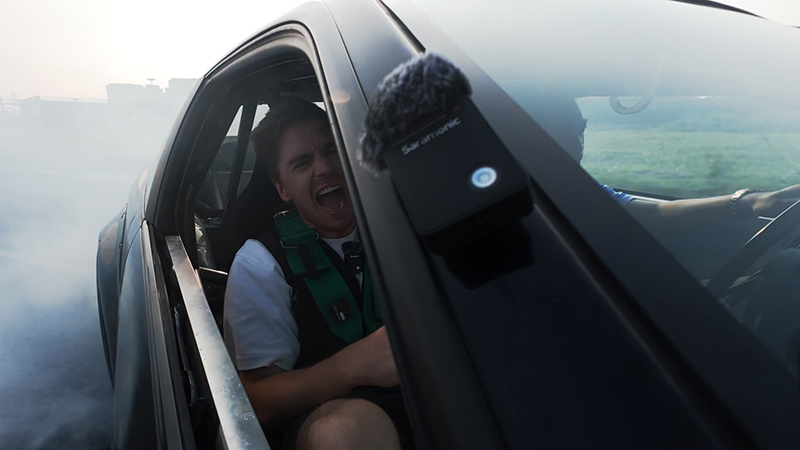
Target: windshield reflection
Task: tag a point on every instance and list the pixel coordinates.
(694, 132)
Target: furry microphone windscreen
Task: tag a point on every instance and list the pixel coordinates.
(421, 87)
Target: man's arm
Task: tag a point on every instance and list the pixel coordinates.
(278, 396)
(262, 337)
(683, 214)
(688, 213)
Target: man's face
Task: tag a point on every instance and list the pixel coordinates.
(310, 175)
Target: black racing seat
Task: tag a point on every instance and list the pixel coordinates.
(248, 217)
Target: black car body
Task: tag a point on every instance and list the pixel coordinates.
(573, 328)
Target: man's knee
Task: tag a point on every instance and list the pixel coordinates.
(347, 424)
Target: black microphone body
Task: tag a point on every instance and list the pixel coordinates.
(455, 178)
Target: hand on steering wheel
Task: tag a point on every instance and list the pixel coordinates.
(770, 204)
(782, 230)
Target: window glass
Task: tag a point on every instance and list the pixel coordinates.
(226, 155)
(213, 193)
(696, 146)
(261, 111)
(675, 109)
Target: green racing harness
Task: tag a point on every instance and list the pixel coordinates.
(307, 259)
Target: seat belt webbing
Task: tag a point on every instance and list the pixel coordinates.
(331, 293)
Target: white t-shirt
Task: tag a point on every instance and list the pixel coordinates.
(258, 323)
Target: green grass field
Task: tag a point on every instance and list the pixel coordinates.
(691, 164)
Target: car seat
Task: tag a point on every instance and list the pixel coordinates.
(248, 217)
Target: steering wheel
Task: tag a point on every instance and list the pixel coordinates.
(782, 230)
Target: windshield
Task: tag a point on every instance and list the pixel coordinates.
(689, 116)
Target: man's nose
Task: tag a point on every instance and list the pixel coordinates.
(323, 165)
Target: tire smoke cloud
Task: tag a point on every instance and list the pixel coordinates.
(62, 178)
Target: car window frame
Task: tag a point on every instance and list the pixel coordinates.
(176, 430)
(198, 138)
(439, 381)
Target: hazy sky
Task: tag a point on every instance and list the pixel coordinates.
(783, 11)
(74, 48)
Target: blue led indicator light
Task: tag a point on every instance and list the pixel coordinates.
(484, 177)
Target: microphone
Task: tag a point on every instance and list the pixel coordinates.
(422, 88)
(454, 176)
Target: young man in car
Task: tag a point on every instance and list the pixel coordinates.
(316, 364)
(564, 122)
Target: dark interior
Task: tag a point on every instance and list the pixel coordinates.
(216, 224)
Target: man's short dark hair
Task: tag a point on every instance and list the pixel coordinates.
(266, 136)
(562, 119)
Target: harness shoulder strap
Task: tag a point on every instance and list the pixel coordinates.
(301, 244)
(307, 259)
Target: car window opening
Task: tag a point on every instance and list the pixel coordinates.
(222, 221)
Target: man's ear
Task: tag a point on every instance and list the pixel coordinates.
(281, 191)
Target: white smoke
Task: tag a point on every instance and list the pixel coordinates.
(59, 185)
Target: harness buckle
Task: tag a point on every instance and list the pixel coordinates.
(298, 244)
(339, 310)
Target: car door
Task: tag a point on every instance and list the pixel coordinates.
(548, 335)
(613, 342)
(492, 343)
(204, 176)
(148, 396)
(182, 176)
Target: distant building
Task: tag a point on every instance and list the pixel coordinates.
(148, 102)
(9, 107)
(62, 109)
(124, 93)
(179, 89)
(125, 102)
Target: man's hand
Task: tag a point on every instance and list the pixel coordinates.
(369, 361)
(770, 204)
(278, 395)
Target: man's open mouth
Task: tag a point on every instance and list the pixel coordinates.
(331, 198)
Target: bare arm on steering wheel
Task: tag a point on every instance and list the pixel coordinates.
(712, 211)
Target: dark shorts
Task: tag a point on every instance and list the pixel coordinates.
(390, 400)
